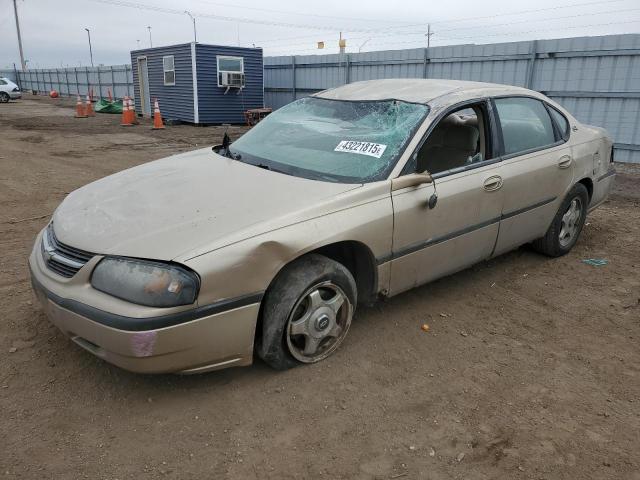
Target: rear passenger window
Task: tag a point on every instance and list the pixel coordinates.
(526, 124)
(561, 122)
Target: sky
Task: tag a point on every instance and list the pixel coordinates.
(54, 35)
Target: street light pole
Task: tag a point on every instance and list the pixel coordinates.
(150, 42)
(15, 11)
(90, 49)
(195, 37)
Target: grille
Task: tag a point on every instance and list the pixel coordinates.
(60, 258)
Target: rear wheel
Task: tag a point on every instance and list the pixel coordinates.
(4, 97)
(307, 312)
(567, 224)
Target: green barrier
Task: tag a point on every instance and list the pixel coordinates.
(105, 106)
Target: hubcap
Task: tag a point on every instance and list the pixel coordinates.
(318, 322)
(570, 222)
(322, 323)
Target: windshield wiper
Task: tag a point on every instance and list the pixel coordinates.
(264, 166)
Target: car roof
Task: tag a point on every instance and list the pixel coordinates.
(417, 90)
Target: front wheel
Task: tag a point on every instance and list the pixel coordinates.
(307, 312)
(4, 97)
(567, 224)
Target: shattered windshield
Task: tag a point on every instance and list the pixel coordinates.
(337, 141)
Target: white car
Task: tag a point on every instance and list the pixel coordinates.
(8, 90)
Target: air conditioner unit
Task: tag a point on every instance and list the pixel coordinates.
(232, 79)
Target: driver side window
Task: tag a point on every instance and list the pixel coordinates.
(459, 140)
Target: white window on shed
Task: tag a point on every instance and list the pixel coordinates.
(169, 70)
(229, 65)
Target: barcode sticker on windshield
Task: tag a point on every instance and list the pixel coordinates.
(362, 148)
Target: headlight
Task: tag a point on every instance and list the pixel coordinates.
(146, 283)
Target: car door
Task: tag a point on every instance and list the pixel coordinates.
(537, 169)
(460, 230)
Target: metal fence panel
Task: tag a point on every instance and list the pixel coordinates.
(596, 78)
(69, 81)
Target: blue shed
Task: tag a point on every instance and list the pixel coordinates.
(197, 83)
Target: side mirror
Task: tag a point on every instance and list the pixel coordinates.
(411, 180)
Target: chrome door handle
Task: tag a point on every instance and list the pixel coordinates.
(492, 184)
(565, 161)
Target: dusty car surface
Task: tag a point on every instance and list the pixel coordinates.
(197, 261)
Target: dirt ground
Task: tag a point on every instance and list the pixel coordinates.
(530, 370)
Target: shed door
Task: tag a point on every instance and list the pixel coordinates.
(143, 84)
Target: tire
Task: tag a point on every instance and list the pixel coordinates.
(306, 312)
(4, 97)
(566, 225)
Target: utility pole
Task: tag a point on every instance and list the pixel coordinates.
(90, 49)
(15, 11)
(193, 19)
(150, 42)
(428, 35)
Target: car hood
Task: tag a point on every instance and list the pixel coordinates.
(169, 207)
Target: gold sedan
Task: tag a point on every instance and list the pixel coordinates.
(266, 245)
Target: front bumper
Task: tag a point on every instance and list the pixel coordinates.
(15, 95)
(222, 337)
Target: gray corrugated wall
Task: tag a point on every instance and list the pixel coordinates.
(176, 101)
(213, 105)
(596, 78)
(78, 80)
(9, 73)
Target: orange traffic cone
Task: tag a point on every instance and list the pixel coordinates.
(89, 110)
(157, 117)
(80, 113)
(132, 111)
(126, 116)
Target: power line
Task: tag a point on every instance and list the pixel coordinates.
(457, 20)
(305, 14)
(521, 12)
(439, 33)
(547, 19)
(398, 30)
(473, 37)
(528, 20)
(225, 18)
(490, 35)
